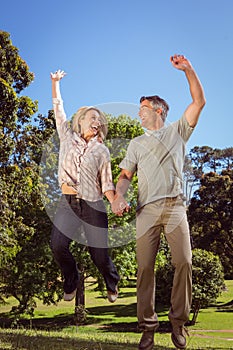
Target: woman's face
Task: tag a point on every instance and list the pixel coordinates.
(90, 124)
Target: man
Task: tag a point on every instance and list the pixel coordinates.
(158, 158)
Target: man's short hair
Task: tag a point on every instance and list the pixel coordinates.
(157, 102)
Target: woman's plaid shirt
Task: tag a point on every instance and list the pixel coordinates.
(84, 166)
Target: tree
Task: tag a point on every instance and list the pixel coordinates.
(28, 272)
(208, 280)
(227, 158)
(200, 157)
(26, 259)
(205, 159)
(210, 216)
(190, 179)
(14, 76)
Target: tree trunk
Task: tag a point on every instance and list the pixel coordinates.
(80, 294)
(195, 313)
(80, 311)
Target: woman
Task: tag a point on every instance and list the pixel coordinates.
(84, 174)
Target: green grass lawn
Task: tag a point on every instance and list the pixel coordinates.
(112, 326)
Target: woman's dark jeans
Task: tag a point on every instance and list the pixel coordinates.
(87, 223)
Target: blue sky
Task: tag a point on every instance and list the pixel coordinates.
(116, 51)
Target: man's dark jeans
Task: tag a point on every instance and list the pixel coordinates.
(87, 223)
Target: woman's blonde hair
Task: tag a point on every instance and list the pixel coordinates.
(80, 114)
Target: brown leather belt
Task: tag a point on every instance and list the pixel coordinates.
(67, 189)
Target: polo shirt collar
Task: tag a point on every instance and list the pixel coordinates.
(155, 132)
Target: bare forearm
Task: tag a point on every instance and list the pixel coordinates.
(119, 204)
(196, 89)
(56, 93)
(193, 111)
(197, 93)
(110, 195)
(59, 112)
(122, 185)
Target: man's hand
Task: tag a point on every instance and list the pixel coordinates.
(58, 75)
(193, 110)
(180, 62)
(119, 205)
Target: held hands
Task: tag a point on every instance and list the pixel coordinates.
(119, 205)
(58, 75)
(180, 62)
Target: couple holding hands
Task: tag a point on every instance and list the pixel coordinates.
(157, 157)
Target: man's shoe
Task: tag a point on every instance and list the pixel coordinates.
(70, 296)
(112, 296)
(179, 336)
(147, 340)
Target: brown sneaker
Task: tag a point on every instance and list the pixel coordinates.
(179, 336)
(147, 340)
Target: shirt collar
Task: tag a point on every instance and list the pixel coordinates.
(78, 137)
(155, 132)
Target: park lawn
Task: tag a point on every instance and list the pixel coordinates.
(113, 326)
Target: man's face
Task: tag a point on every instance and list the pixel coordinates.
(147, 115)
(90, 124)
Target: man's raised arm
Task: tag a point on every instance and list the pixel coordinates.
(193, 111)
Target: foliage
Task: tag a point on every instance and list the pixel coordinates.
(14, 76)
(208, 188)
(26, 267)
(202, 160)
(208, 280)
(121, 130)
(211, 217)
(28, 272)
(206, 159)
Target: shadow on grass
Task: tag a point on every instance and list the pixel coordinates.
(116, 310)
(21, 339)
(95, 316)
(39, 342)
(102, 317)
(132, 327)
(46, 323)
(227, 307)
(229, 303)
(60, 321)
